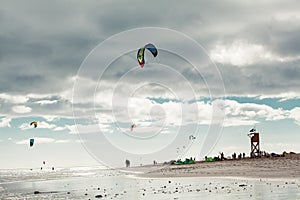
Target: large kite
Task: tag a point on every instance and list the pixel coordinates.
(140, 54)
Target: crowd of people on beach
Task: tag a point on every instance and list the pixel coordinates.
(221, 157)
(240, 156)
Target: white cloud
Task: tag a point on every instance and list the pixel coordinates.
(236, 114)
(50, 118)
(46, 102)
(72, 129)
(239, 53)
(13, 98)
(282, 96)
(41, 124)
(87, 88)
(59, 128)
(62, 141)
(90, 128)
(280, 147)
(104, 98)
(148, 113)
(46, 125)
(37, 140)
(165, 131)
(44, 140)
(249, 113)
(24, 126)
(5, 122)
(290, 16)
(204, 112)
(242, 53)
(295, 114)
(40, 140)
(21, 109)
(104, 118)
(144, 113)
(238, 122)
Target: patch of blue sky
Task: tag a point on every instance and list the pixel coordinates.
(163, 100)
(272, 102)
(16, 122)
(202, 99)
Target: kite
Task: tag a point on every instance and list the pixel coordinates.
(31, 142)
(191, 137)
(132, 127)
(33, 123)
(141, 52)
(252, 130)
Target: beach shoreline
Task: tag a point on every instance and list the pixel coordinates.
(273, 167)
(208, 180)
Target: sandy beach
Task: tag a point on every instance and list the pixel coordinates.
(275, 167)
(260, 178)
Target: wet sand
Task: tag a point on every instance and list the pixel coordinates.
(278, 167)
(216, 180)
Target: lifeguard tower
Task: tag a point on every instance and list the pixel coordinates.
(254, 139)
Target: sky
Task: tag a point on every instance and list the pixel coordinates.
(222, 68)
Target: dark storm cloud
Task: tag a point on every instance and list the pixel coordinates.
(262, 78)
(287, 42)
(41, 47)
(279, 36)
(43, 44)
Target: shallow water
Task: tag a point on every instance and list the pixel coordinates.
(87, 183)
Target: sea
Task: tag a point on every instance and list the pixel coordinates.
(97, 183)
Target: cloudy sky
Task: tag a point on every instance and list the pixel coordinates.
(222, 69)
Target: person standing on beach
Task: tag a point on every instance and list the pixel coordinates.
(234, 156)
(240, 156)
(222, 156)
(127, 163)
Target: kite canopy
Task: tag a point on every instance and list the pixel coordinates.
(141, 52)
(132, 127)
(33, 123)
(252, 130)
(191, 137)
(31, 142)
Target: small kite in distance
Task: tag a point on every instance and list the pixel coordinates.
(132, 127)
(31, 142)
(34, 123)
(252, 130)
(191, 137)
